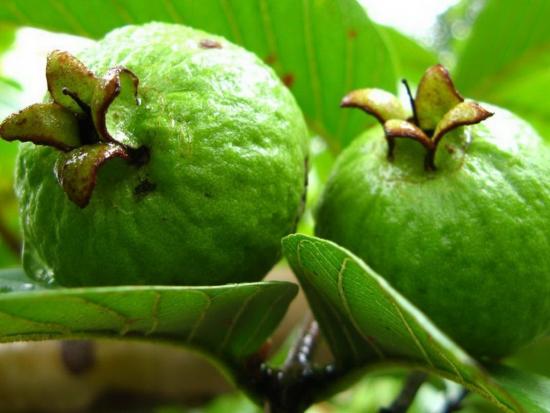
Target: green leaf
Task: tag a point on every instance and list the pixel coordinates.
(368, 323)
(412, 59)
(227, 322)
(530, 390)
(515, 75)
(10, 93)
(320, 49)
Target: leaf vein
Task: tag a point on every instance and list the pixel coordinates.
(312, 62)
(228, 11)
(264, 318)
(349, 313)
(235, 320)
(154, 314)
(411, 332)
(172, 11)
(69, 17)
(199, 321)
(62, 328)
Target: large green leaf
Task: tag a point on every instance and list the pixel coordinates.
(412, 58)
(367, 322)
(321, 49)
(10, 93)
(506, 59)
(228, 322)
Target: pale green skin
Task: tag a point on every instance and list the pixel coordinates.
(228, 148)
(468, 244)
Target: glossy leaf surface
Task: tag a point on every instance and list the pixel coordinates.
(367, 322)
(229, 322)
(506, 59)
(320, 49)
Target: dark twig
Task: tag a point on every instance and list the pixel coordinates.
(295, 386)
(301, 353)
(404, 400)
(455, 404)
(10, 239)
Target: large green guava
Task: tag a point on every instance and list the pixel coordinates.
(171, 157)
(456, 217)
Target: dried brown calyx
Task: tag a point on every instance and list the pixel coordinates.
(437, 109)
(79, 123)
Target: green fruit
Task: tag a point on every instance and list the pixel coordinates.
(462, 230)
(194, 182)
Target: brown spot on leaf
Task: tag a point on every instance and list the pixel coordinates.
(288, 79)
(352, 34)
(271, 58)
(210, 44)
(78, 356)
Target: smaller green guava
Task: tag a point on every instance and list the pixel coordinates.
(455, 217)
(168, 156)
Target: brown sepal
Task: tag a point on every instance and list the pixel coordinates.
(46, 124)
(465, 113)
(70, 83)
(376, 102)
(119, 83)
(77, 170)
(435, 96)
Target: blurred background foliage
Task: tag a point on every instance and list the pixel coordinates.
(498, 51)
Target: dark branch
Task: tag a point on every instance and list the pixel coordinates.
(301, 354)
(455, 404)
(296, 385)
(404, 400)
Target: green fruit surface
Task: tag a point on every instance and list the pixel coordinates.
(224, 182)
(469, 244)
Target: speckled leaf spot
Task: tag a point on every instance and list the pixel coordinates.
(80, 121)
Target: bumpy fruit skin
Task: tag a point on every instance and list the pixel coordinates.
(224, 182)
(469, 243)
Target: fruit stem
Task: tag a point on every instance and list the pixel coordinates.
(411, 100)
(429, 160)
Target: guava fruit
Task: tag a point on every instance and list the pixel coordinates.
(164, 155)
(455, 217)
